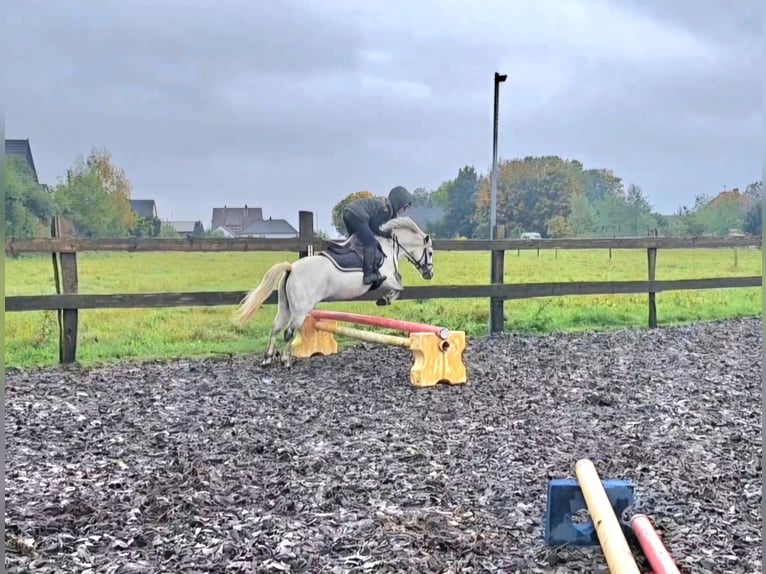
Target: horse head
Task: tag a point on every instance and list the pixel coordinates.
(412, 242)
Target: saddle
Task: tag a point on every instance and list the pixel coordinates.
(348, 255)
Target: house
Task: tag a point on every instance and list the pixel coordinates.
(235, 219)
(186, 228)
(144, 208)
(270, 229)
(22, 149)
(730, 196)
(221, 231)
(248, 222)
(149, 223)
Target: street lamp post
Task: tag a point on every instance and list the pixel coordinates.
(499, 78)
(496, 311)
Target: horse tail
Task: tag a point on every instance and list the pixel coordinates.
(253, 301)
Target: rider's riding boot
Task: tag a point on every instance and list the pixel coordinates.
(370, 276)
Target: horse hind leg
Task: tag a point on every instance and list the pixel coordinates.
(280, 322)
(295, 324)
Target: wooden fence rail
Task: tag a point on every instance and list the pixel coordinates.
(67, 302)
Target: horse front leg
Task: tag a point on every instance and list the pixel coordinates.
(395, 288)
(387, 299)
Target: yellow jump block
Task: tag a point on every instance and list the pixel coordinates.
(434, 360)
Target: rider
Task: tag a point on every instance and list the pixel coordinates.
(365, 215)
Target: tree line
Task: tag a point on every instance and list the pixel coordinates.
(560, 198)
(95, 196)
(549, 195)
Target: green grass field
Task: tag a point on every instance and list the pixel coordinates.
(31, 338)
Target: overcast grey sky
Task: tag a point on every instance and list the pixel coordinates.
(228, 102)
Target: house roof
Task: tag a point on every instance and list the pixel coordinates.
(235, 216)
(22, 149)
(733, 195)
(144, 207)
(183, 226)
(224, 231)
(270, 226)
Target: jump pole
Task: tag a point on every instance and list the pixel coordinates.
(384, 322)
(368, 336)
(658, 556)
(613, 543)
(437, 352)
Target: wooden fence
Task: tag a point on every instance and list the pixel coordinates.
(68, 301)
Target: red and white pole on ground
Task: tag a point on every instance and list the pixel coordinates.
(385, 322)
(658, 556)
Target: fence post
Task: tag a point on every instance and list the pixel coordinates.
(497, 270)
(306, 231)
(65, 274)
(651, 254)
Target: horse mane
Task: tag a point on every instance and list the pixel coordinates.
(402, 222)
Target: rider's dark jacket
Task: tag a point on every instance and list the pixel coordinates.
(374, 210)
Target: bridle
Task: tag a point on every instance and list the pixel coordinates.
(421, 264)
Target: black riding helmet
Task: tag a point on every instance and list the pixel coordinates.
(399, 198)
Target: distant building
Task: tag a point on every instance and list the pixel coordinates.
(249, 222)
(269, 228)
(22, 149)
(235, 219)
(149, 223)
(223, 232)
(733, 196)
(186, 228)
(145, 208)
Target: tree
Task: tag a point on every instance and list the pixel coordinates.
(28, 207)
(600, 183)
(752, 224)
(557, 227)
(85, 201)
(530, 192)
(754, 191)
(687, 221)
(712, 217)
(421, 197)
(638, 211)
(719, 217)
(337, 211)
(96, 197)
(116, 183)
(146, 227)
(461, 202)
(582, 215)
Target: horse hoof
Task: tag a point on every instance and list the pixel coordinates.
(382, 302)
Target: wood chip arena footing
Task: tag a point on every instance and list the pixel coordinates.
(340, 465)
